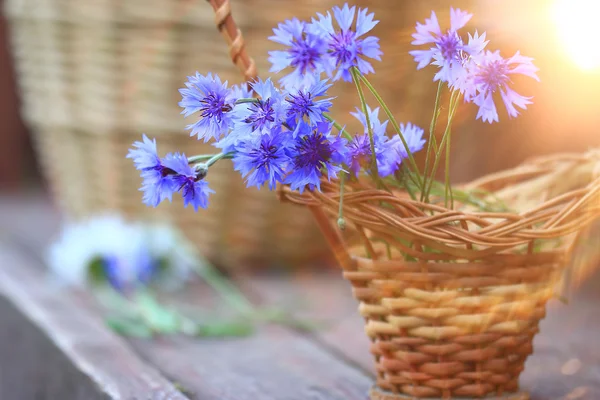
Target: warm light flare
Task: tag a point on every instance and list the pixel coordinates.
(577, 24)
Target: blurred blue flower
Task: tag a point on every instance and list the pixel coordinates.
(315, 151)
(209, 96)
(303, 103)
(345, 45)
(264, 160)
(305, 53)
(490, 73)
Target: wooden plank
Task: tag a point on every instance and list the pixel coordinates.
(58, 346)
(275, 363)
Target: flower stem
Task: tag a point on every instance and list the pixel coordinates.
(363, 103)
(394, 124)
(200, 157)
(246, 100)
(217, 157)
(431, 142)
(228, 291)
(341, 221)
(448, 189)
(337, 126)
(454, 99)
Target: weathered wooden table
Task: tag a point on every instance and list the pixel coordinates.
(54, 345)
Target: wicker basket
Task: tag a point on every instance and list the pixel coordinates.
(458, 320)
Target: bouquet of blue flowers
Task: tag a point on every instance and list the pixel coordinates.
(452, 281)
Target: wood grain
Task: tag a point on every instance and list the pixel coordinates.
(59, 346)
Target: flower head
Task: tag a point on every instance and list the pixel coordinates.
(108, 249)
(157, 183)
(359, 153)
(261, 115)
(145, 157)
(448, 50)
(263, 160)
(345, 46)
(315, 151)
(305, 53)
(413, 135)
(194, 189)
(209, 96)
(490, 73)
(303, 103)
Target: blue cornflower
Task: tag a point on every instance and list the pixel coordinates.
(145, 157)
(306, 53)
(124, 272)
(490, 73)
(413, 135)
(256, 118)
(449, 52)
(303, 103)
(157, 182)
(345, 47)
(386, 154)
(194, 189)
(314, 151)
(209, 96)
(264, 160)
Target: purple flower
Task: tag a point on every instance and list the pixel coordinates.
(386, 154)
(306, 53)
(210, 97)
(157, 183)
(448, 50)
(145, 157)
(314, 151)
(264, 160)
(303, 103)
(345, 47)
(268, 111)
(413, 135)
(490, 73)
(194, 189)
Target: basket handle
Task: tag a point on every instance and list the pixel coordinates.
(233, 36)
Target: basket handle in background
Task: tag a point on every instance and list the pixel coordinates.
(233, 36)
(237, 51)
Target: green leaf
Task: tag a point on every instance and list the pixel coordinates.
(128, 327)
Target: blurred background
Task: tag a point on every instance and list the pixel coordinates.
(80, 80)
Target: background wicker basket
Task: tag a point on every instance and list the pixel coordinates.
(452, 306)
(96, 74)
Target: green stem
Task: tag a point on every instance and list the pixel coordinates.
(246, 100)
(454, 99)
(407, 185)
(448, 188)
(217, 157)
(227, 290)
(337, 126)
(394, 124)
(200, 157)
(341, 221)
(431, 142)
(356, 77)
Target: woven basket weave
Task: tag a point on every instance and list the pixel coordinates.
(458, 320)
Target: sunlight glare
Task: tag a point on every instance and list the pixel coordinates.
(577, 23)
